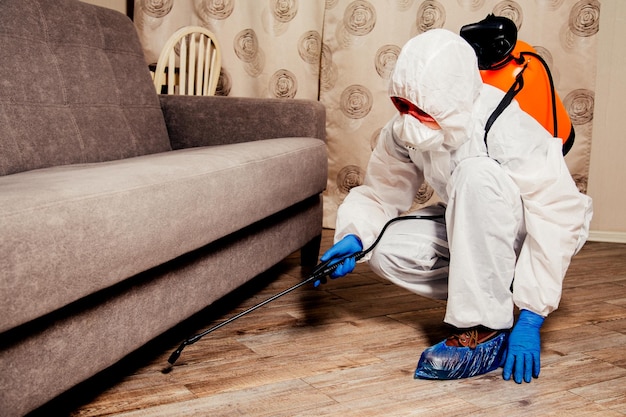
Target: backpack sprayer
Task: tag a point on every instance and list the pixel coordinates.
(514, 67)
(319, 274)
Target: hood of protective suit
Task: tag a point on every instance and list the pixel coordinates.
(438, 72)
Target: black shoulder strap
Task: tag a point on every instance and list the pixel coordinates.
(506, 100)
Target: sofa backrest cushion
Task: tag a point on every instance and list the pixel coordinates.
(74, 87)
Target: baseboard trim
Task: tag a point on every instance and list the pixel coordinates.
(612, 237)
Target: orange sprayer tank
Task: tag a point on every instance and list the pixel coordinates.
(535, 98)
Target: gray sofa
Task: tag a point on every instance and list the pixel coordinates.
(123, 213)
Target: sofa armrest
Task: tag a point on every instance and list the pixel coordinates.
(215, 120)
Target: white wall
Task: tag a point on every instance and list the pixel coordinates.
(607, 173)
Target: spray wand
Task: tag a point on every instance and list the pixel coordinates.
(319, 274)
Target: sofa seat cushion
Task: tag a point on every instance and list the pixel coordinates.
(72, 230)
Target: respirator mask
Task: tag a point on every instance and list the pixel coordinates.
(414, 134)
(415, 128)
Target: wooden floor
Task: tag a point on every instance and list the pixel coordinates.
(350, 349)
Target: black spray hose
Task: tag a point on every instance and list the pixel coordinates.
(318, 274)
(362, 253)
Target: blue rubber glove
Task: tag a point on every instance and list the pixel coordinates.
(347, 246)
(522, 356)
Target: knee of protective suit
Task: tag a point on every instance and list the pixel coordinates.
(415, 258)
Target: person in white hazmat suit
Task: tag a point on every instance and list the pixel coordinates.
(511, 215)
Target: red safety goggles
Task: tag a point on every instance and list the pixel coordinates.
(404, 106)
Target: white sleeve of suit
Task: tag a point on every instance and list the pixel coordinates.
(556, 214)
(391, 183)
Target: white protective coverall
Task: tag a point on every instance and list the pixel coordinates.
(513, 215)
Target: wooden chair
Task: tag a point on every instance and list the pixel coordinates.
(189, 63)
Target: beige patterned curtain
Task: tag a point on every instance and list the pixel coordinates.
(342, 52)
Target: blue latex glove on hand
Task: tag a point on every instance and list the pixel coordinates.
(522, 356)
(346, 247)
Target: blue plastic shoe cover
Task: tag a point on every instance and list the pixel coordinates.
(447, 362)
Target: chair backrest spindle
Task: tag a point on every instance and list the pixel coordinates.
(200, 67)
(171, 76)
(182, 72)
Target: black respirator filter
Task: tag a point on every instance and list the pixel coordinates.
(493, 39)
